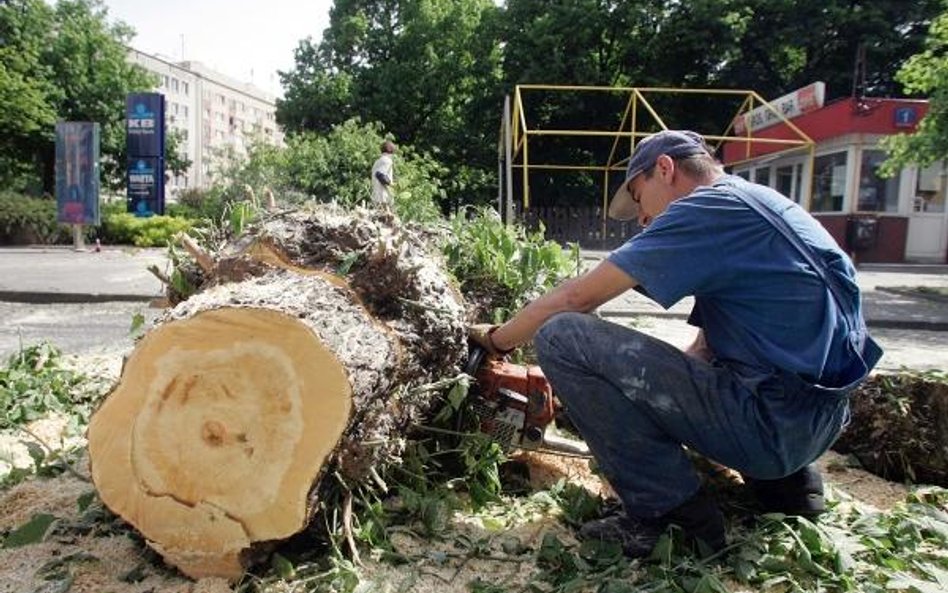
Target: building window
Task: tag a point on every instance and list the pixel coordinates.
(790, 181)
(829, 182)
(221, 99)
(745, 174)
(164, 81)
(185, 85)
(930, 189)
(174, 84)
(762, 176)
(876, 194)
(185, 109)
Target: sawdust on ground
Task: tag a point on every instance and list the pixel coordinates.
(97, 563)
(94, 563)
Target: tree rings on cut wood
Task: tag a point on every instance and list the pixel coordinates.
(215, 435)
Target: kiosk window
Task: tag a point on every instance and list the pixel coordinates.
(876, 194)
(829, 182)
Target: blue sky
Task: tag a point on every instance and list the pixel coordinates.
(240, 38)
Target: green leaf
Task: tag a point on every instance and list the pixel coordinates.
(37, 453)
(617, 586)
(283, 567)
(136, 575)
(745, 571)
(31, 532)
(56, 586)
(138, 320)
(346, 264)
(85, 500)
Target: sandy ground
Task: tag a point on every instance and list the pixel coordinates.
(105, 557)
(108, 557)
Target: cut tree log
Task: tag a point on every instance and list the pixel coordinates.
(281, 371)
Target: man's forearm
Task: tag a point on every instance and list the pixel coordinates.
(523, 326)
(581, 294)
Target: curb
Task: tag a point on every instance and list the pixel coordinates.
(50, 298)
(938, 326)
(915, 294)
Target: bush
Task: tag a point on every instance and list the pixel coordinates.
(327, 167)
(155, 231)
(336, 166)
(25, 220)
(503, 267)
(195, 203)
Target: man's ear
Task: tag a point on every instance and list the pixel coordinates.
(665, 167)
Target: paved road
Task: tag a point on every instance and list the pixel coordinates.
(87, 329)
(101, 330)
(904, 348)
(40, 275)
(44, 274)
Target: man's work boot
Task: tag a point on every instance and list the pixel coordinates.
(699, 519)
(800, 493)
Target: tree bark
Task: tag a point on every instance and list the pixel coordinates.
(232, 411)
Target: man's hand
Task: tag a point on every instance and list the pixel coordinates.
(479, 334)
(699, 348)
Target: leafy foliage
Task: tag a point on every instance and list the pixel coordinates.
(329, 166)
(500, 268)
(29, 220)
(427, 70)
(154, 231)
(65, 62)
(435, 71)
(35, 382)
(926, 74)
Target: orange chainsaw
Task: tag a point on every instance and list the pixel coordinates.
(515, 406)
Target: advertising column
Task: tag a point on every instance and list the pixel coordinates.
(145, 141)
(77, 175)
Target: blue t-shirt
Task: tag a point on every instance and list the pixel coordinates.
(760, 304)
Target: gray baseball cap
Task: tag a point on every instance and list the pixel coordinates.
(676, 144)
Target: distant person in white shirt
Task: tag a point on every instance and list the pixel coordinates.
(383, 177)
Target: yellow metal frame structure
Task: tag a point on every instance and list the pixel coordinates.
(516, 132)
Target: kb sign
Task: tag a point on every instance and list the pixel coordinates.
(145, 139)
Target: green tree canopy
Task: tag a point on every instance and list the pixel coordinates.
(427, 70)
(66, 62)
(926, 74)
(433, 72)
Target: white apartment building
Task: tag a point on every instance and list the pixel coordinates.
(212, 110)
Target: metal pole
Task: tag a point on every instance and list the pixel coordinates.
(526, 173)
(78, 241)
(500, 162)
(508, 149)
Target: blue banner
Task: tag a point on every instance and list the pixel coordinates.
(77, 172)
(145, 124)
(145, 178)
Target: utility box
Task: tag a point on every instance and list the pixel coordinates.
(861, 233)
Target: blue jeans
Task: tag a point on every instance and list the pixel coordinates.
(636, 400)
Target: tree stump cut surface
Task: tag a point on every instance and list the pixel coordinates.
(223, 422)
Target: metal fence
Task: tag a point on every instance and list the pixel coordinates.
(579, 225)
